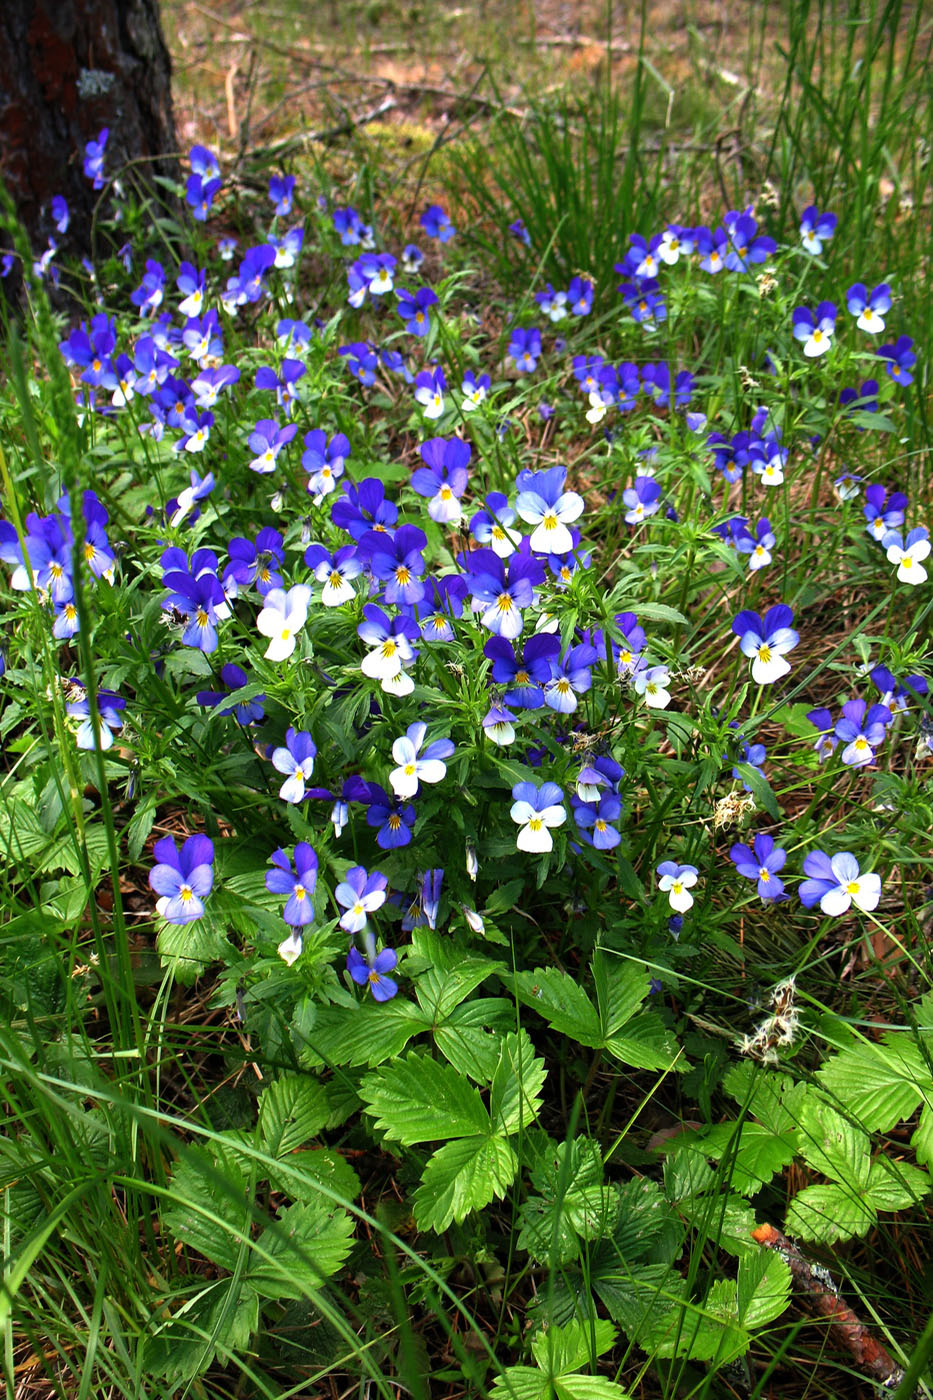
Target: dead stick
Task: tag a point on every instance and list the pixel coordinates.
(845, 1328)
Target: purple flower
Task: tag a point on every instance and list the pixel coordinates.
(642, 499)
(184, 879)
(94, 158)
(816, 228)
(370, 970)
(359, 895)
(364, 508)
(443, 478)
(397, 562)
(882, 512)
(822, 720)
(862, 731)
(869, 307)
(526, 674)
(267, 440)
(500, 595)
(901, 359)
(836, 883)
(299, 884)
(296, 760)
(767, 641)
(594, 820)
(525, 349)
(436, 223)
(234, 678)
(761, 862)
(413, 309)
(281, 190)
(571, 677)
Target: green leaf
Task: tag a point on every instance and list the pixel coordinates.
(521, 1383)
(760, 788)
(763, 1287)
(832, 1145)
(418, 1099)
(367, 1035)
(187, 949)
(895, 1185)
(464, 1041)
(307, 1245)
(646, 1043)
(292, 1110)
(579, 1387)
(753, 1153)
(515, 1093)
(304, 1173)
(219, 1323)
(463, 1176)
(572, 1204)
(561, 1001)
(774, 1099)
(829, 1213)
(621, 987)
(558, 1350)
(880, 1084)
(209, 1209)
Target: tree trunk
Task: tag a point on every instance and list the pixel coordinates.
(67, 69)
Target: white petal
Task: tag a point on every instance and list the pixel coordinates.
(836, 902)
(535, 841)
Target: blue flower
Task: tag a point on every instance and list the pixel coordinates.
(836, 883)
(436, 224)
(767, 641)
(184, 879)
(443, 478)
(413, 309)
(281, 190)
(527, 674)
(296, 759)
(370, 970)
(94, 158)
(235, 678)
(525, 349)
(816, 228)
(762, 863)
(862, 730)
(901, 359)
(595, 819)
(299, 884)
(869, 306)
(109, 705)
(360, 894)
(537, 809)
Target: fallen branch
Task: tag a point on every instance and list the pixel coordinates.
(845, 1328)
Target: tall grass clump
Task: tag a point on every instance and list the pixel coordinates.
(465, 790)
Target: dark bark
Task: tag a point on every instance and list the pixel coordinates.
(67, 69)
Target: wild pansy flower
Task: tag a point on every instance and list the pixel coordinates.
(335, 571)
(847, 485)
(286, 386)
(497, 722)
(822, 720)
(397, 561)
(580, 296)
(151, 290)
(815, 332)
(199, 195)
(202, 338)
(283, 615)
(746, 248)
(376, 270)
(349, 225)
(500, 593)
(711, 248)
(281, 191)
(412, 258)
(443, 478)
(651, 683)
(594, 820)
(602, 772)
(207, 386)
(254, 563)
(474, 390)
(202, 603)
(234, 678)
(900, 359)
(196, 431)
(296, 760)
(642, 257)
(324, 461)
(869, 307)
(413, 309)
(267, 440)
(109, 704)
(298, 883)
(816, 229)
(767, 641)
(656, 382)
(436, 223)
(191, 283)
(897, 693)
(761, 862)
(525, 349)
(571, 677)
(67, 623)
(182, 879)
(425, 907)
(754, 755)
(553, 304)
(416, 765)
(645, 302)
(390, 649)
(642, 500)
(490, 526)
(862, 730)
(586, 371)
(676, 882)
(443, 600)
(836, 884)
(360, 894)
(370, 969)
(768, 459)
(882, 512)
(526, 673)
(543, 502)
(429, 391)
(94, 158)
(364, 508)
(536, 809)
(288, 248)
(393, 817)
(908, 555)
(758, 547)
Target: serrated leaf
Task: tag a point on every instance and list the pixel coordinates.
(187, 949)
(417, 1099)
(219, 1323)
(762, 1288)
(365, 1035)
(646, 1043)
(302, 1174)
(463, 1176)
(562, 1002)
(895, 1185)
(726, 1220)
(573, 1203)
(922, 1140)
(880, 1084)
(832, 1145)
(464, 1040)
(515, 1092)
(521, 1383)
(621, 987)
(441, 990)
(559, 1350)
(307, 1245)
(774, 1099)
(580, 1387)
(829, 1213)
(752, 1152)
(209, 1210)
(292, 1110)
